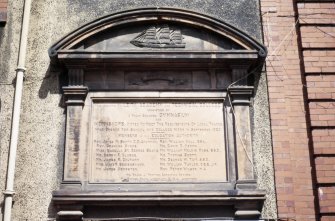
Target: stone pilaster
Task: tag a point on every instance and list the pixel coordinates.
(74, 97)
(240, 99)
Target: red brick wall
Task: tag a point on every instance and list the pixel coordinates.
(320, 86)
(318, 43)
(3, 11)
(325, 170)
(301, 79)
(322, 114)
(324, 141)
(322, 37)
(295, 194)
(319, 61)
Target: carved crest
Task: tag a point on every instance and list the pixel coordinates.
(159, 37)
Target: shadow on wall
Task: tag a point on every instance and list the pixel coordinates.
(52, 83)
(5, 53)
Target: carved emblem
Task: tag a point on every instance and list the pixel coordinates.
(159, 37)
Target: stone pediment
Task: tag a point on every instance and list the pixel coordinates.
(149, 118)
(158, 33)
(158, 37)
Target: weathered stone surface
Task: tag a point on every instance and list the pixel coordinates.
(261, 138)
(243, 14)
(162, 141)
(122, 39)
(40, 151)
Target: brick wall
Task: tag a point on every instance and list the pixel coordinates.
(317, 27)
(300, 36)
(3, 11)
(295, 194)
(324, 141)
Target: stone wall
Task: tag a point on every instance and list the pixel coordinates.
(40, 151)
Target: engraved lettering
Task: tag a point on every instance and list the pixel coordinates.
(158, 141)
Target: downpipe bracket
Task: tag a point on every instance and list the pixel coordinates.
(9, 192)
(22, 69)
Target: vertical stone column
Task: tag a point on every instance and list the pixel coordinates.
(240, 95)
(74, 97)
(246, 180)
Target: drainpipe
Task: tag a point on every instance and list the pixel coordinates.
(9, 192)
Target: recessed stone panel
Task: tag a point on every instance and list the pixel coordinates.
(157, 141)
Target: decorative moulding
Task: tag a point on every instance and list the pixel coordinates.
(128, 61)
(158, 22)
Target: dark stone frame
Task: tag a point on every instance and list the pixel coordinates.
(72, 200)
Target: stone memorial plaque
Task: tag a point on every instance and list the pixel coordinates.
(157, 141)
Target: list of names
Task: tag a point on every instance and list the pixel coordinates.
(136, 142)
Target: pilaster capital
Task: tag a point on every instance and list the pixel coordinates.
(76, 76)
(240, 95)
(239, 73)
(75, 95)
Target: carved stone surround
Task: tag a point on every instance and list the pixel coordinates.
(104, 65)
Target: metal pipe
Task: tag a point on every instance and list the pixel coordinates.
(9, 192)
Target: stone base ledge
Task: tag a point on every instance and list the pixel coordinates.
(240, 204)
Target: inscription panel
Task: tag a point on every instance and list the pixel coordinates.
(157, 142)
